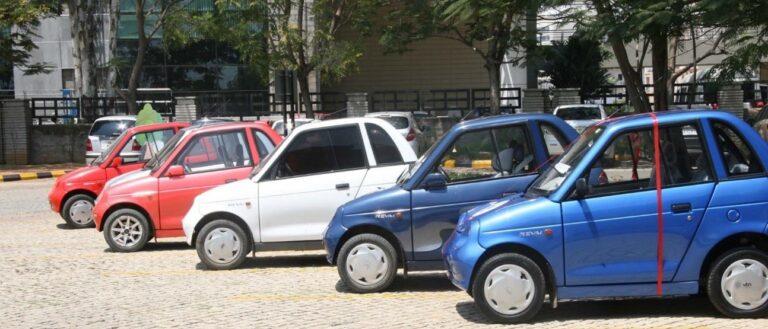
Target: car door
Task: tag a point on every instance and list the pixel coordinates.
(139, 149)
(320, 170)
(480, 165)
(209, 160)
(611, 234)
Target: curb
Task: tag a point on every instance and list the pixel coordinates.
(32, 175)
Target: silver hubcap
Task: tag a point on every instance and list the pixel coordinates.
(81, 212)
(367, 264)
(222, 245)
(745, 284)
(126, 231)
(509, 289)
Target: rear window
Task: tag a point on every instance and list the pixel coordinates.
(110, 128)
(397, 122)
(579, 113)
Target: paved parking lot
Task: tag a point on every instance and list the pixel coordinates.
(51, 276)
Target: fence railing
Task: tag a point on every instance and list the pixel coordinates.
(442, 101)
(683, 94)
(54, 110)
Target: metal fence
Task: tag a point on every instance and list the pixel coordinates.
(683, 94)
(55, 110)
(442, 101)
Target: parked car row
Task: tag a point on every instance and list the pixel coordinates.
(518, 209)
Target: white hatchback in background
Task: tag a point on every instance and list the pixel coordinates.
(104, 131)
(279, 126)
(580, 116)
(405, 124)
(294, 192)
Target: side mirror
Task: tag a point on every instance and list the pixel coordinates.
(435, 181)
(582, 188)
(116, 162)
(175, 171)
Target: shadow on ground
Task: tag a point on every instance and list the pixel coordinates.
(280, 261)
(608, 309)
(160, 246)
(419, 282)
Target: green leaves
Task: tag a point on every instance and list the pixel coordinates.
(16, 44)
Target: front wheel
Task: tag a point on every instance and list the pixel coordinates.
(222, 245)
(737, 284)
(509, 288)
(126, 230)
(367, 263)
(78, 211)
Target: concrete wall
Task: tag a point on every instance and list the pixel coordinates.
(58, 143)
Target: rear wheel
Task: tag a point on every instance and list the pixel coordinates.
(126, 230)
(222, 245)
(78, 211)
(737, 284)
(367, 263)
(509, 288)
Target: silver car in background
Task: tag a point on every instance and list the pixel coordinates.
(104, 131)
(405, 124)
(580, 116)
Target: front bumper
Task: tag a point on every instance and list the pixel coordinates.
(99, 209)
(188, 224)
(54, 198)
(460, 254)
(333, 234)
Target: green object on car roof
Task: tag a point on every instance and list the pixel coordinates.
(146, 116)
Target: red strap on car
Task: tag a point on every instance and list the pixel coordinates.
(659, 206)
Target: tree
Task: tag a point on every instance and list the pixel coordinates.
(169, 17)
(576, 64)
(84, 29)
(491, 29)
(18, 24)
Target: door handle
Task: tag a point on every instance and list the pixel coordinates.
(506, 194)
(342, 186)
(230, 180)
(681, 207)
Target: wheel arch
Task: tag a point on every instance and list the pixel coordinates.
(371, 229)
(226, 216)
(743, 239)
(128, 205)
(74, 192)
(524, 250)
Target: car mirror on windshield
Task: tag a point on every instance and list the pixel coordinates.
(581, 189)
(175, 171)
(435, 181)
(116, 162)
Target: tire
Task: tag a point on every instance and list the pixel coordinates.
(531, 280)
(127, 230)
(748, 290)
(222, 245)
(367, 263)
(75, 210)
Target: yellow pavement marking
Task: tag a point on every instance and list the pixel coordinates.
(57, 173)
(28, 175)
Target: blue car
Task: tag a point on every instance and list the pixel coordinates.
(405, 226)
(692, 219)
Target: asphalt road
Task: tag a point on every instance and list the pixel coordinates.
(52, 276)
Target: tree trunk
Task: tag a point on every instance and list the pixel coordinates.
(660, 72)
(114, 14)
(133, 80)
(84, 33)
(494, 83)
(302, 76)
(632, 79)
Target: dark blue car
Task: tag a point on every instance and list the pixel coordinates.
(405, 226)
(682, 208)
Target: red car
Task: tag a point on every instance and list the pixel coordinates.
(152, 202)
(73, 194)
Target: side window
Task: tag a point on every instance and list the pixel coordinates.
(553, 139)
(216, 152)
(264, 145)
(628, 163)
(487, 154)
(384, 149)
(348, 147)
(144, 146)
(737, 156)
(309, 153)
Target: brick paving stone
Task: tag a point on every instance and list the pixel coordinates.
(51, 276)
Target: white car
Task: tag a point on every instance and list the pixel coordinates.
(293, 193)
(280, 126)
(104, 131)
(404, 123)
(580, 116)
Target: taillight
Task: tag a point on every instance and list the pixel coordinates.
(88, 145)
(411, 135)
(759, 104)
(136, 147)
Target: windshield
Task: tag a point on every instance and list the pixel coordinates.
(408, 172)
(263, 162)
(104, 154)
(110, 128)
(165, 152)
(397, 122)
(579, 113)
(553, 177)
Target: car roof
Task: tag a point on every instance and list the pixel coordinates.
(337, 122)
(578, 105)
(117, 118)
(215, 126)
(495, 120)
(156, 126)
(391, 114)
